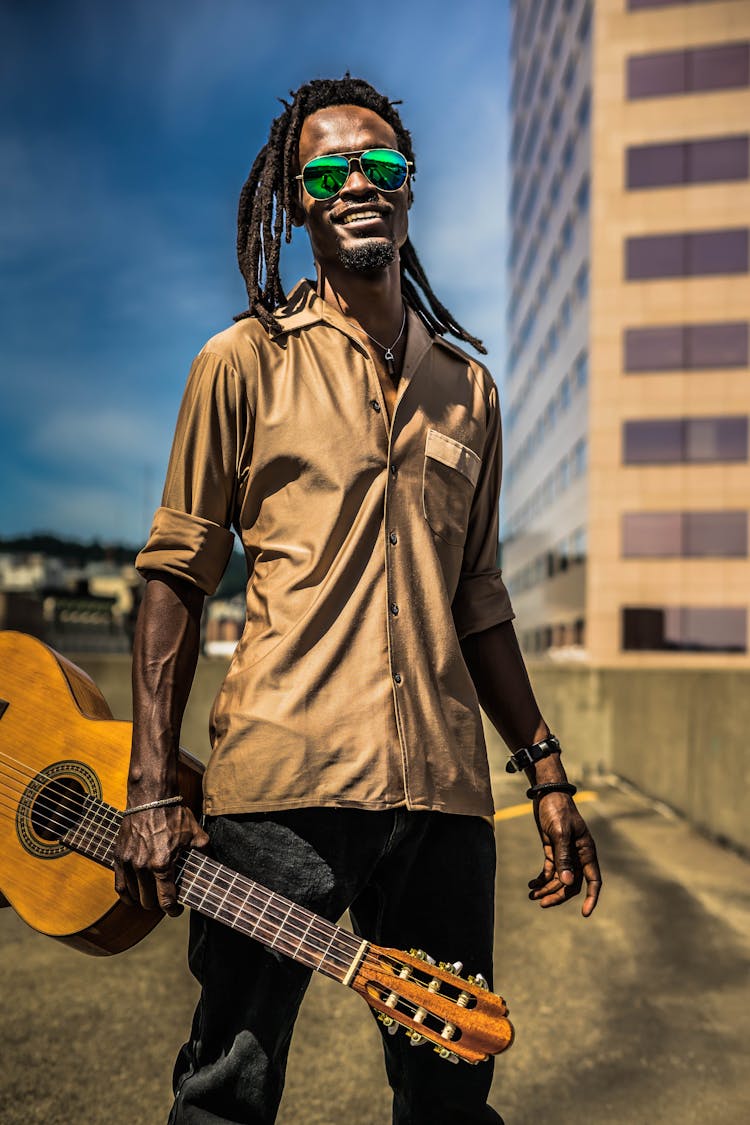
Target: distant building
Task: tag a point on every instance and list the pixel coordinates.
(627, 396)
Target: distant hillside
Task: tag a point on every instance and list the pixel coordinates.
(70, 550)
(79, 554)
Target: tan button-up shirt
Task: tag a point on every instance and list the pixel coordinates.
(370, 550)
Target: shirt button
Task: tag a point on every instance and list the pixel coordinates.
(375, 405)
(397, 678)
(394, 470)
(393, 538)
(394, 609)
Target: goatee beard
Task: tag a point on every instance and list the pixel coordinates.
(368, 255)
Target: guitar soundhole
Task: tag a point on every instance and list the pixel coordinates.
(56, 808)
(51, 806)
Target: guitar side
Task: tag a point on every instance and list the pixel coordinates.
(56, 724)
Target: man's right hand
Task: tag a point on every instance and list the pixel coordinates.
(145, 851)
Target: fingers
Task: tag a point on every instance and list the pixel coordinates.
(166, 893)
(593, 878)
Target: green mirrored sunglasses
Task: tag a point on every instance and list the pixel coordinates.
(325, 176)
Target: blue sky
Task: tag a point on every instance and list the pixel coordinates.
(128, 131)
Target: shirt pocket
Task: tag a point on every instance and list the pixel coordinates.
(451, 471)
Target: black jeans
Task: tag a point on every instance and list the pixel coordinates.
(409, 879)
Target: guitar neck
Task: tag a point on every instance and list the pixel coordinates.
(217, 891)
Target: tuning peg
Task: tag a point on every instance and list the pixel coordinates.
(457, 967)
(478, 980)
(416, 1039)
(444, 1053)
(388, 1021)
(422, 956)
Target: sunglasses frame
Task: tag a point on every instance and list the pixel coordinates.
(355, 154)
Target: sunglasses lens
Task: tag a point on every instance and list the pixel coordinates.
(384, 168)
(325, 176)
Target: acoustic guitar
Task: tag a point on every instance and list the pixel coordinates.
(63, 778)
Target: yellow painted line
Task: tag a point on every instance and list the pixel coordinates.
(512, 811)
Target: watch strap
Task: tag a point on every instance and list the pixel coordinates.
(528, 755)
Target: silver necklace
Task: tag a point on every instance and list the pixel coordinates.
(389, 356)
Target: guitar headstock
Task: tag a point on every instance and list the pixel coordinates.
(458, 1015)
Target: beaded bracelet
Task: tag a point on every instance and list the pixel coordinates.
(551, 787)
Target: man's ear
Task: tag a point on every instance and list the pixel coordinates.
(296, 214)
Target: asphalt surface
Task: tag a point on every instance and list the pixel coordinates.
(639, 1014)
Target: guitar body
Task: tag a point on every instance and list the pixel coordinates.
(56, 727)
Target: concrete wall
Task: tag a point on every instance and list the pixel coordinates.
(678, 734)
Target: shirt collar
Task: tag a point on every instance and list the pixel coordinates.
(305, 308)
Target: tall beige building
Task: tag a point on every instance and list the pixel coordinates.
(627, 394)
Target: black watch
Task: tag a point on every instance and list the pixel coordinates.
(527, 755)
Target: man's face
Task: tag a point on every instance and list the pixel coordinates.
(362, 227)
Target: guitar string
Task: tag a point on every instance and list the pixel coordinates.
(210, 884)
(113, 821)
(302, 925)
(251, 929)
(331, 954)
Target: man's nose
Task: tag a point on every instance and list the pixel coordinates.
(357, 182)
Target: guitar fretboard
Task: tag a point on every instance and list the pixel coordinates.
(217, 891)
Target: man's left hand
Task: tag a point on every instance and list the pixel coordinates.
(569, 854)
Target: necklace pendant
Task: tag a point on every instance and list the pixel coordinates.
(388, 357)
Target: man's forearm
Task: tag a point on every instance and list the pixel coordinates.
(165, 654)
(497, 668)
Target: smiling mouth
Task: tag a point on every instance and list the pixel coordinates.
(361, 215)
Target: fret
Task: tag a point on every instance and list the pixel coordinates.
(304, 935)
(256, 922)
(280, 925)
(217, 908)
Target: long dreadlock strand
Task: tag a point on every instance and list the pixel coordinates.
(269, 199)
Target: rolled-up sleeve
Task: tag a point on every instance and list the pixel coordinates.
(190, 536)
(481, 598)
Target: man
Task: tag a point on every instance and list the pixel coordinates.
(357, 454)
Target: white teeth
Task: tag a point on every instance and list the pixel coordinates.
(359, 215)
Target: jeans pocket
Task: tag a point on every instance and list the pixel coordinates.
(451, 471)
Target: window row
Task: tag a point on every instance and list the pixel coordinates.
(537, 641)
(694, 254)
(634, 5)
(561, 248)
(572, 300)
(568, 469)
(686, 347)
(684, 535)
(684, 628)
(523, 213)
(567, 393)
(569, 552)
(664, 441)
(725, 66)
(712, 160)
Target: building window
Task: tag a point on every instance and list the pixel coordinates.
(687, 162)
(582, 282)
(685, 629)
(684, 535)
(723, 67)
(685, 440)
(582, 196)
(697, 254)
(634, 5)
(686, 347)
(583, 113)
(581, 369)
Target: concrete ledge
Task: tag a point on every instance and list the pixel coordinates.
(677, 734)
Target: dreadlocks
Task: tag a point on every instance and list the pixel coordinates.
(268, 197)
